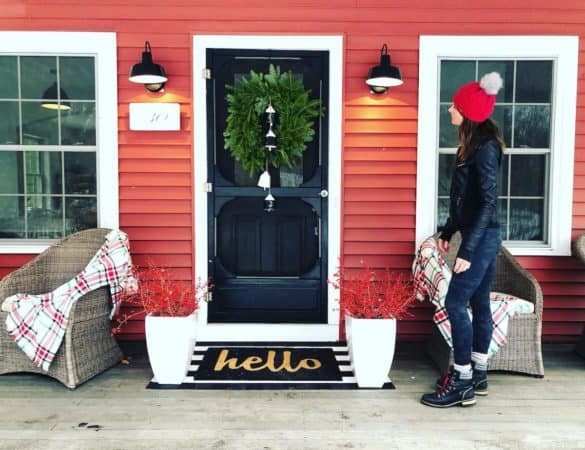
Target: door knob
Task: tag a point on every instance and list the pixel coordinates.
(324, 193)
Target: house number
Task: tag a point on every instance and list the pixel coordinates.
(155, 116)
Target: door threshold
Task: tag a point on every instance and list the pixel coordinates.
(267, 332)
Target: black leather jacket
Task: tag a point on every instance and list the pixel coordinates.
(474, 197)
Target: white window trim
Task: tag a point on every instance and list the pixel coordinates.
(262, 331)
(103, 47)
(565, 51)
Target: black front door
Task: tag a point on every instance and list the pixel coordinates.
(267, 267)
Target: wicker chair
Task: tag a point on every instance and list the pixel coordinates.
(579, 252)
(522, 353)
(88, 346)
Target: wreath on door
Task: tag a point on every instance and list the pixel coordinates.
(263, 95)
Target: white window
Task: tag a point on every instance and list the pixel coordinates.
(58, 136)
(535, 112)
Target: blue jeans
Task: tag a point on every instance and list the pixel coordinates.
(472, 287)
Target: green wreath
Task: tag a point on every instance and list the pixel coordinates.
(248, 100)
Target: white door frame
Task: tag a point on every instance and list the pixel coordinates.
(263, 331)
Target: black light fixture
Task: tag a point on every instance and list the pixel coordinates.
(152, 75)
(55, 99)
(385, 75)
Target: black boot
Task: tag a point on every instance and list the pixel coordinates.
(480, 383)
(454, 391)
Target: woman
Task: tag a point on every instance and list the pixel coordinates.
(473, 212)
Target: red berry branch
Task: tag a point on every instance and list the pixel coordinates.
(374, 295)
(160, 295)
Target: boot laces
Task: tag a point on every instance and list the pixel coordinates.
(445, 383)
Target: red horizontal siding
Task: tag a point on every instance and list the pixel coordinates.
(379, 133)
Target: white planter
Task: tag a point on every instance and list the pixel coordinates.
(170, 341)
(371, 345)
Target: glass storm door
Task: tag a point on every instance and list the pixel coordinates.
(267, 267)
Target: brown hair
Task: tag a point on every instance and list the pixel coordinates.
(471, 134)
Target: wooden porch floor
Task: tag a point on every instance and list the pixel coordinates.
(119, 413)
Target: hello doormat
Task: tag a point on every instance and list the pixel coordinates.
(268, 366)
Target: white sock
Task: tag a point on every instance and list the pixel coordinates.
(480, 360)
(465, 371)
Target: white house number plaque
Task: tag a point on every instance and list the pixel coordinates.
(155, 116)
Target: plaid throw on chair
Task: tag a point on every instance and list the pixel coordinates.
(431, 279)
(37, 323)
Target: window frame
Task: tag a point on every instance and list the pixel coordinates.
(563, 50)
(102, 46)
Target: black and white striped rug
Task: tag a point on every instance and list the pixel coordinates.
(280, 365)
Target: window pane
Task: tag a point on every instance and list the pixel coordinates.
(12, 217)
(528, 175)
(9, 131)
(78, 124)
(506, 70)
(503, 176)
(77, 77)
(442, 211)
(45, 217)
(292, 176)
(445, 171)
(9, 77)
(11, 173)
(453, 75)
(37, 74)
(503, 117)
(526, 220)
(503, 217)
(81, 212)
(532, 127)
(447, 131)
(43, 173)
(80, 176)
(533, 81)
(39, 125)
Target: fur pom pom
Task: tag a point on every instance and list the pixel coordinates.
(491, 83)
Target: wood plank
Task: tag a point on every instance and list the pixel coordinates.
(155, 220)
(381, 126)
(380, 167)
(157, 206)
(132, 152)
(378, 221)
(381, 112)
(155, 193)
(167, 260)
(162, 247)
(379, 235)
(378, 248)
(153, 234)
(159, 179)
(156, 165)
(379, 154)
(378, 261)
(379, 208)
(382, 194)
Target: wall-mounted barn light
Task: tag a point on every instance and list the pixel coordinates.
(146, 72)
(384, 76)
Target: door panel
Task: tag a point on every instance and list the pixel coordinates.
(267, 267)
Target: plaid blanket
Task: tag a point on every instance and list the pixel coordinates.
(431, 280)
(37, 323)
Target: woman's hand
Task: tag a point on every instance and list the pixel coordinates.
(443, 245)
(461, 265)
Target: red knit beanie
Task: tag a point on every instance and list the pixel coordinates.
(476, 100)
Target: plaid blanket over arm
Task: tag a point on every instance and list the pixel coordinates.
(37, 323)
(431, 280)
